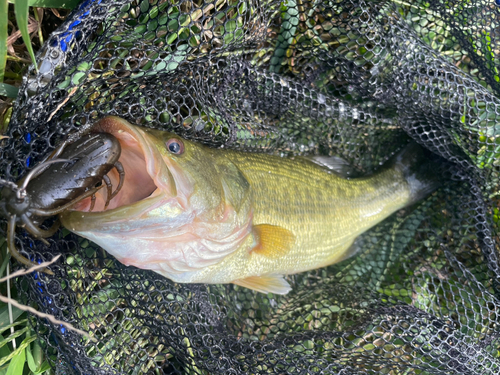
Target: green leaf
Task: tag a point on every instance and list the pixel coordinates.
(21, 9)
(37, 355)
(3, 36)
(16, 365)
(83, 66)
(31, 361)
(66, 4)
(8, 90)
(78, 78)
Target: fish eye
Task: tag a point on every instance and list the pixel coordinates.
(175, 146)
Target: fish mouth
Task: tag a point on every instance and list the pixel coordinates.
(147, 179)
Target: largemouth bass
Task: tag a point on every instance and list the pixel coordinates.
(201, 215)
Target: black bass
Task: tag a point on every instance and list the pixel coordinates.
(201, 215)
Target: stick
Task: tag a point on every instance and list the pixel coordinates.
(29, 270)
(70, 94)
(47, 316)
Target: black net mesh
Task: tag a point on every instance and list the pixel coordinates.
(350, 78)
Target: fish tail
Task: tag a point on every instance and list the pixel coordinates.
(422, 173)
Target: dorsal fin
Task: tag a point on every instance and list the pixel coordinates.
(336, 165)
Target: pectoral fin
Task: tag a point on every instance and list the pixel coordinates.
(272, 241)
(265, 284)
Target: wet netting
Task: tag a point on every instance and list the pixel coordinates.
(355, 79)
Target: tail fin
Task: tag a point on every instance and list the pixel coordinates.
(422, 172)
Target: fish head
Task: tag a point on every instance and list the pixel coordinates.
(192, 171)
(182, 207)
(161, 171)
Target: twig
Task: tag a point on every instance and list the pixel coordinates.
(29, 270)
(70, 94)
(46, 316)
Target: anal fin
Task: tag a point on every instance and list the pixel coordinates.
(265, 284)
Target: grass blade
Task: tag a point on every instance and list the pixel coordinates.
(21, 9)
(4, 33)
(66, 4)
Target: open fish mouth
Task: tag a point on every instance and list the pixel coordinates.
(146, 175)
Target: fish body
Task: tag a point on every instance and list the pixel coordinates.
(200, 215)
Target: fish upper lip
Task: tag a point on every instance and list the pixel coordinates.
(165, 186)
